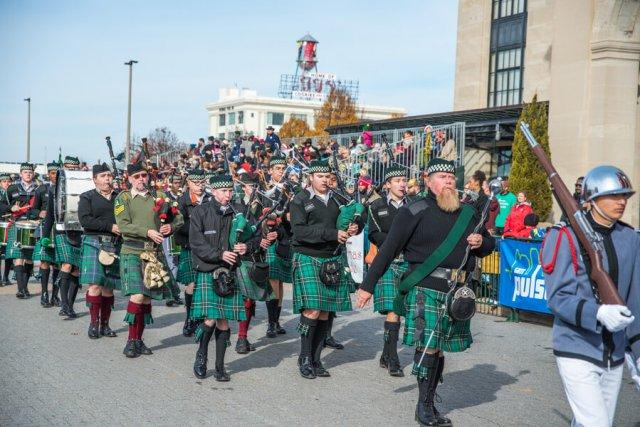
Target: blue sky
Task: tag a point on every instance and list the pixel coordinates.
(68, 56)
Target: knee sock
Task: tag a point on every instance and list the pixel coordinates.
(28, 272)
(64, 288)
(44, 279)
(188, 299)
(143, 319)
(391, 333)
(54, 276)
(272, 310)
(243, 325)
(205, 338)
(73, 288)
(278, 311)
(105, 309)
(332, 316)
(94, 302)
(19, 269)
(8, 263)
(318, 339)
(222, 338)
(307, 328)
(133, 312)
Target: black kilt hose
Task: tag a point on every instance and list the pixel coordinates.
(309, 293)
(207, 304)
(91, 270)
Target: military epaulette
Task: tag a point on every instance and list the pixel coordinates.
(418, 206)
(624, 224)
(378, 203)
(125, 195)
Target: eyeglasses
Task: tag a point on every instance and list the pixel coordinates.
(139, 175)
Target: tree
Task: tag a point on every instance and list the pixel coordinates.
(337, 109)
(160, 140)
(526, 173)
(294, 128)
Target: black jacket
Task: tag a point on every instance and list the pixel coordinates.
(381, 216)
(314, 225)
(186, 207)
(41, 199)
(95, 212)
(17, 194)
(209, 230)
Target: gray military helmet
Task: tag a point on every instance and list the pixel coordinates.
(605, 181)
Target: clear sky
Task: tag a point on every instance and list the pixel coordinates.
(68, 56)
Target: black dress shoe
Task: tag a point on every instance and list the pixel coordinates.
(279, 329)
(71, 314)
(306, 368)
(63, 311)
(94, 331)
(130, 349)
(55, 301)
(44, 300)
(169, 303)
(177, 301)
(271, 330)
(221, 375)
(20, 295)
(106, 331)
(319, 370)
(425, 415)
(394, 368)
(27, 294)
(442, 421)
(243, 346)
(200, 365)
(332, 343)
(143, 349)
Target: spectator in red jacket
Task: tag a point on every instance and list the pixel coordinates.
(514, 225)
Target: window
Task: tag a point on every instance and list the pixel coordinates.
(221, 120)
(232, 118)
(506, 64)
(302, 117)
(275, 119)
(240, 117)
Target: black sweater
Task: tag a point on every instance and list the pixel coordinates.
(314, 225)
(417, 230)
(380, 220)
(95, 212)
(186, 207)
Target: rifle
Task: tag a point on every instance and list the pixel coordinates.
(590, 241)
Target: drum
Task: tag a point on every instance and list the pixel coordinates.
(69, 186)
(4, 232)
(26, 234)
(174, 248)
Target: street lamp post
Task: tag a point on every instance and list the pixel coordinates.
(28, 100)
(127, 146)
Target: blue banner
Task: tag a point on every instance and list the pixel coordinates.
(521, 278)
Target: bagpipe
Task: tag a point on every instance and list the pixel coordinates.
(351, 210)
(117, 175)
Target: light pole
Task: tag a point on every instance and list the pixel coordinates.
(28, 128)
(127, 146)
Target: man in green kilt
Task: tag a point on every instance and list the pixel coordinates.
(320, 285)
(67, 249)
(46, 254)
(436, 221)
(187, 202)
(278, 254)
(142, 232)
(5, 209)
(216, 298)
(99, 266)
(21, 197)
(381, 214)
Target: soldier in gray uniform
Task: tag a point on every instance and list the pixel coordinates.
(589, 337)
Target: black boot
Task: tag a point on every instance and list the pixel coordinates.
(130, 349)
(94, 331)
(73, 292)
(106, 331)
(222, 338)
(330, 341)
(243, 346)
(189, 326)
(272, 311)
(64, 293)
(200, 365)
(316, 348)
(44, 284)
(426, 390)
(392, 331)
(442, 421)
(307, 328)
(19, 270)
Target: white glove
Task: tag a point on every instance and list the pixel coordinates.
(634, 367)
(614, 317)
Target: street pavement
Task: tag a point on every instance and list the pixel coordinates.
(52, 374)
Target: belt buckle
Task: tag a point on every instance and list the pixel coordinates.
(149, 246)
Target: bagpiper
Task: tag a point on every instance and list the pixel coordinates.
(590, 337)
(99, 265)
(320, 285)
(46, 254)
(143, 230)
(67, 250)
(187, 202)
(217, 298)
(436, 221)
(381, 214)
(21, 197)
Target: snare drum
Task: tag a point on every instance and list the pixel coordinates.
(174, 248)
(4, 232)
(26, 234)
(69, 186)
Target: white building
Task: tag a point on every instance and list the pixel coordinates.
(243, 110)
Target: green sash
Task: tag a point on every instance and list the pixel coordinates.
(430, 264)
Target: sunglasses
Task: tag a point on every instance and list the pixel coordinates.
(139, 175)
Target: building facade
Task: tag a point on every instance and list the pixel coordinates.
(244, 111)
(582, 56)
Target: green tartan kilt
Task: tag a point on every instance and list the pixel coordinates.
(186, 273)
(450, 335)
(131, 276)
(279, 268)
(248, 287)
(44, 254)
(207, 304)
(310, 293)
(66, 253)
(387, 287)
(94, 273)
(13, 251)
